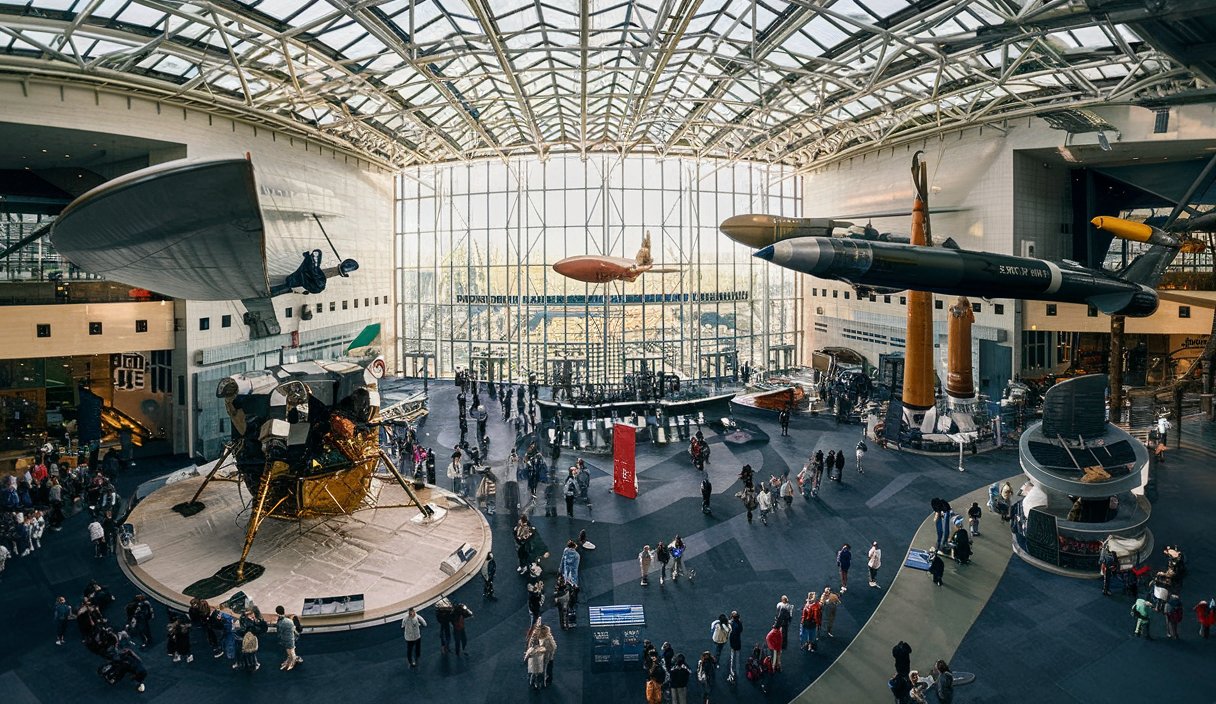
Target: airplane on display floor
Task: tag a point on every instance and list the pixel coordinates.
(871, 264)
(599, 269)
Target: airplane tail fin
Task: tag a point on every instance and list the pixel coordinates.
(1147, 268)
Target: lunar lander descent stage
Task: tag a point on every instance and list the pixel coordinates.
(305, 444)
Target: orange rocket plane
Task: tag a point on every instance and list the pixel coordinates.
(598, 269)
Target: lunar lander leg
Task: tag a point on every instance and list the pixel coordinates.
(193, 506)
(409, 491)
(260, 512)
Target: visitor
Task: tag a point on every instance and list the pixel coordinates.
(544, 635)
(961, 546)
(570, 562)
(287, 628)
(829, 601)
(765, 501)
(1141, 611)
(571, 491)
(736, 643)
(944, 683)
(719, 633)
(1205, 614)
(775, 643)
(644, 558)
(678, 677)
(249, 652)
(809, 629)
(861, 452)
(840, 467)
(901, 688)
(844, 560)
(973, 516)
(936, 567)
(677, 557)
(460, 613)
(663, 556)
(62, 614)
(139, 619)
(536, 600)
(783, 618)
(1173, 616)
(902, 652)
(787, 492)
(97, 535)
(748, 497)
(706, 669)
(488, 568)
(534, 657)
(1108, 565)
(784, 418)
(746, 475)
(874, 562)
(654, 686)
(707, 491)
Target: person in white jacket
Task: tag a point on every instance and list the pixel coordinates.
(411, 628)
(874, 562)
(98, 535)
(765, 501)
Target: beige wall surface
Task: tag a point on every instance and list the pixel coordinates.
(70, 329)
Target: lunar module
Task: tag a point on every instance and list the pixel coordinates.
(305, 442)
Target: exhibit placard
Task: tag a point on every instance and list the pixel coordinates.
(624, 449)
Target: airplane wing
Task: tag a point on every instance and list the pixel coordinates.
(1178, 297)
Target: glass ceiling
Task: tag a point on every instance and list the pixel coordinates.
(423, 81)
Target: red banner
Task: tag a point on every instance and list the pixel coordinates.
(624, 449)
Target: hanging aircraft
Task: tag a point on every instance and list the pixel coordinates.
(1129, 291)
(598, 269)
(758, 230)
(201, 230)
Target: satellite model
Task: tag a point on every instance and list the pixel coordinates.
(305, 439)
(598, 269)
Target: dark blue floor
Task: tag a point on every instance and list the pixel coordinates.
(738, 567)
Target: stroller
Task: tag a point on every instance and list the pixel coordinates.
(758, 669)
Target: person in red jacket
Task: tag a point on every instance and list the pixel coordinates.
(1206, 615)
(774, 643)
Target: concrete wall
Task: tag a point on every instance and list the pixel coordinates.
(361, 228)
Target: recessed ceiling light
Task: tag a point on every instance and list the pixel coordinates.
(44, 151)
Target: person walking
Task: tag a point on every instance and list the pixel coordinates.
(534, 657)
(97, 534)
(644, 559)
(571, 491)
(488, 569)
(544, 635)
(787, 492)
(706, 673)
(902, 652)
(828, 602)
(663, 555)
(936, 567)
(679, 677)
(748, 497)
(973, 517)
(840, 467)
(288, 633)
(1142, 611)
(844, 560)
(1173, 616)
(570, 562)
(861, 452)
(707, 491)
(776, 644)
(736, 644)
(536, 600)
(765, 501)
(719, 633)
(1108, 565)
(1205, 614)
(677, 557)
(874, 561)
(461, 613)
(139, 618)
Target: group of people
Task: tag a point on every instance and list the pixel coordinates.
(1165, 597)
(908, 686)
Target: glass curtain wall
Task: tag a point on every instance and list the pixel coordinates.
(476, 243)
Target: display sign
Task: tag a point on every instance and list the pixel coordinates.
(624, 450)
(616, 615)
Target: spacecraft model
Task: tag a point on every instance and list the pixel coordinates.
(597, 269)
(1129, 291)
(200, 230)
(305, 440)
(757, 230)
(918, 397)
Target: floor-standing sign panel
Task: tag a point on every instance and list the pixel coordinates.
(624, 449)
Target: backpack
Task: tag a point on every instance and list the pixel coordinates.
(783, 616)
(570, 490)
(766, 665)
(752, 670)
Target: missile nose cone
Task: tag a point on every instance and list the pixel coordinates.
(1123, 229)
(766, 254)
(750, 230)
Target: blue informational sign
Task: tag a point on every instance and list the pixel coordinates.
(616, 615)
(918, 559)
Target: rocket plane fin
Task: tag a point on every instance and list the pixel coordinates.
(1147, 268)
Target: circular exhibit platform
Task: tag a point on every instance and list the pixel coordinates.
(388, 554)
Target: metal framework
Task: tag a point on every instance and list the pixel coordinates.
(411, 82)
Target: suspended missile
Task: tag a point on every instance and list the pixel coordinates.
(1135, 231)
(980, 274)
(757, 231)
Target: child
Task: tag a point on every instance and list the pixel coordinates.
(249, 652)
